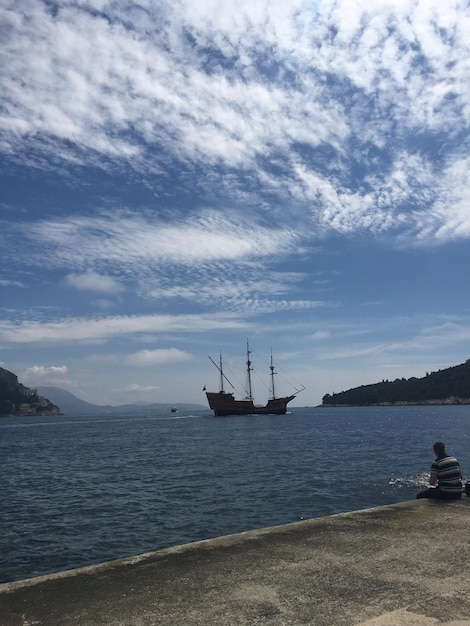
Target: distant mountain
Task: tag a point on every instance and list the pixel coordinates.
(16, 399)
(71, 405)
(448, 386)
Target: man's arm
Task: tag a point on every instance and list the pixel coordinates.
(433, 478)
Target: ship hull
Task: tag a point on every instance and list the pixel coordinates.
(224, 404)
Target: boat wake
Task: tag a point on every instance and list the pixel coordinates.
(415, 480)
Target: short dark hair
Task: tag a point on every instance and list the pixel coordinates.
(439, 448)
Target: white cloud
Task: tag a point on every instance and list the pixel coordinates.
(42, 371)
(449, 216)
(99, 329)
(232, 284)
(136, 388)
(103, 304)
(204, 258)
(394, 342)
(257, 306)
(211, 86)
(211, 236)
(197, 154)
(92, 281)
(10, 283)
(157, 357)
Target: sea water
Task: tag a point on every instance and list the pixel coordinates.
(76, 491)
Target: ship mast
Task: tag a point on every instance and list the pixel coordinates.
(248, 373)
(271, 367)
(221, 374)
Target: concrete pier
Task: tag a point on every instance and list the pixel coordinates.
(404, 564)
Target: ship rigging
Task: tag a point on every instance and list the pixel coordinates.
(224, 403)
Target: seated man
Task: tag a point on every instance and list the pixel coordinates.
(446, 474)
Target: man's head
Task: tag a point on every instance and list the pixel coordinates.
(439, 448)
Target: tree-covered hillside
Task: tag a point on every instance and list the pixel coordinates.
(449, 386)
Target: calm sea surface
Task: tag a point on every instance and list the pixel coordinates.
(80, 490)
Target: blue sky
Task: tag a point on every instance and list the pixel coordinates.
(177, 177)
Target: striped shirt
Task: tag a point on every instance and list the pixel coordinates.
(447, 469)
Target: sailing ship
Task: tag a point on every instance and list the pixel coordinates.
(224, 403)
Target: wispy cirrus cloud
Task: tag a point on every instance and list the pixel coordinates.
(392, 342)
(231, 284)
(100, 329)
(133, 239)
(330, 101)
(206, 259)
(213, 161)
(10, 283)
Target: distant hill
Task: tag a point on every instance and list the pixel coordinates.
(448, 386)
(71, 405)
(16, 399)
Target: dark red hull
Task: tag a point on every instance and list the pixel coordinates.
(225, 404)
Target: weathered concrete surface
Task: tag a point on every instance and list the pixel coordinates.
(397, 565)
